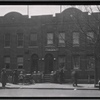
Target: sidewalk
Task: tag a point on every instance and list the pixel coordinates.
(51, 86)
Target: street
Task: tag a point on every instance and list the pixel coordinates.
(48, 93)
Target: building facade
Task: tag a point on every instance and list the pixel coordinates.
(46, 43)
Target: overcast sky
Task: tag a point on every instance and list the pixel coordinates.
(36, 9)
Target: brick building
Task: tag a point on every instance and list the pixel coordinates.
(46, 43)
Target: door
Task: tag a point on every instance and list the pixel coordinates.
(34, 63)
(48, 63)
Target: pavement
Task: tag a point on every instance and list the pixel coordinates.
(50, 86)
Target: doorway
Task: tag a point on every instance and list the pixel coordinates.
(48, 63)
(34, 63)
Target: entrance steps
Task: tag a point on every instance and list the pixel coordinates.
(47, 78)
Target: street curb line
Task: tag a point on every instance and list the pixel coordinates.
(49, 88)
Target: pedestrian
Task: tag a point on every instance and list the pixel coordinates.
(15, 77)
(74, 78)
(42, 75)
(3, 77)
(55, 77)
(34, 76)
(61, 76)
(21, 77)
(52, 77)
(38, 77)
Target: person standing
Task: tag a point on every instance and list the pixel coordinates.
(15, 77)
(21, 77)
(61, 76)
(76, 78)
(3, 77)
(38, 77)
(34, 76)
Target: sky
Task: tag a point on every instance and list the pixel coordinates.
(35, 10)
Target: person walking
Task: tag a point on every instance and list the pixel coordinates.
(3, 77)
(74, 78)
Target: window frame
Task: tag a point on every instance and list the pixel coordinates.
(88, 38)
(64, 58)
(7, 63)
(47, 40)
(20, 64)
(74, 61)
(87, 62)
(64, 40)
(78, 39)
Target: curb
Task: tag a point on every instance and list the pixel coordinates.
(53, 88)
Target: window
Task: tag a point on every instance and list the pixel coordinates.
(61, 39)
(33, 39)
(7, 62)
(20, 39)
(20, 62)
(49, 38)
(7, 40)
(61, 61)
(90, 62)
(75, 39)
(76, 62)
(90, 37)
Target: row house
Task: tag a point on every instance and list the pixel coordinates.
(46, 43)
